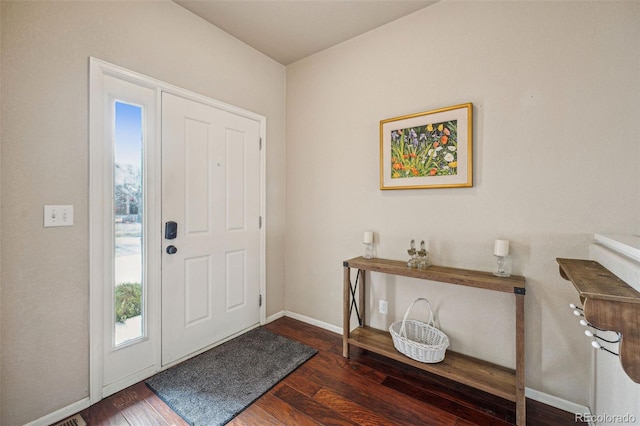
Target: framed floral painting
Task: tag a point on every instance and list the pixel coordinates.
(430, 149)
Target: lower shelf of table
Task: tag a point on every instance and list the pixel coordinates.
(488, 377)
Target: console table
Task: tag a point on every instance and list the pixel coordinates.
(494, 379)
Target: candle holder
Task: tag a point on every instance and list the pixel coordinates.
(424, 260)
(413, 261)
(368, 250)
(503, 266)
(368, 245)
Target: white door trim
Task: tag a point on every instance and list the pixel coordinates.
(98, 69)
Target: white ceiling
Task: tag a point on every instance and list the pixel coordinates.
(290, 30)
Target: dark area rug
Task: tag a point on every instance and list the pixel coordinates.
(214, 387)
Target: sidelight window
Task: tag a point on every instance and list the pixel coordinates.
(128, 215)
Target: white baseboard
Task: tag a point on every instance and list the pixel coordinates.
(61, 414)
(306, 319)
(554, 401)
(275, 316)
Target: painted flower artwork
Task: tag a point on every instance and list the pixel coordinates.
(422, 151)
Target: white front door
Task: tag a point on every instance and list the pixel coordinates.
(211, 191)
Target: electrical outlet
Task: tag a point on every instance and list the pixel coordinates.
(383, 307)
(58, 216)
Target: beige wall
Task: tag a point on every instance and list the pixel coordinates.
(45, 287)
(556, 90)
(556, 93)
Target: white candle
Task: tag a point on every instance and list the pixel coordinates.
(368, 237)
(501, 248)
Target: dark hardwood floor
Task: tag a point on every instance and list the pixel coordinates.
(366, 389)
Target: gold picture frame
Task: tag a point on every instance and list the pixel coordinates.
(432, 149)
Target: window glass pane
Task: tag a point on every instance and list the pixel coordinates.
(128, 216)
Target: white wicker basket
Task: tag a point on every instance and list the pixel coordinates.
(418, 340)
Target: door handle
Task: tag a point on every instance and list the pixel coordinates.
(172, 250)
(170, 230)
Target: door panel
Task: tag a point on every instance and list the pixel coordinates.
(236, 280)
(196, 290)
(211, 188)
(196, 185)
(235, 147)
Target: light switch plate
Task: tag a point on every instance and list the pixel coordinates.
(58, 215)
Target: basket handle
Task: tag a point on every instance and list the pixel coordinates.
(403, 332)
